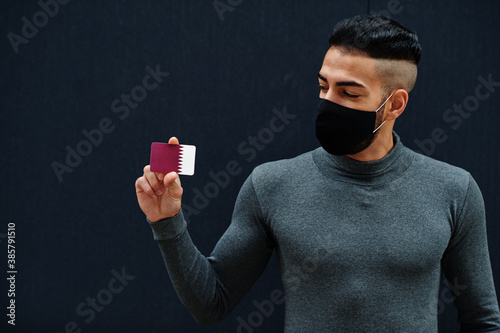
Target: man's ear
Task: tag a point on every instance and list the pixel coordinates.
(397, 104)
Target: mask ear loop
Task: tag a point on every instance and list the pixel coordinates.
(376, 129)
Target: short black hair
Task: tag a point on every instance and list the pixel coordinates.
(378, 37)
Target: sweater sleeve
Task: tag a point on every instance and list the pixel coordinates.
(210, 287)
(467, 267)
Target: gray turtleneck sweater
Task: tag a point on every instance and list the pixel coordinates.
(361, 245)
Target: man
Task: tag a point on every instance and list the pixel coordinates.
(362, 226)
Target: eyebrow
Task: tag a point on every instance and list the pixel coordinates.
(343, 83)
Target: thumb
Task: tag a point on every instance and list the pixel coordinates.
(173, 141)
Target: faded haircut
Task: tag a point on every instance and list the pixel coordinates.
(383, 39)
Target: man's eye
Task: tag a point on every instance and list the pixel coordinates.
(350, 95)
(323, 88)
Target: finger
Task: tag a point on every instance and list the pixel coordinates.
(173, 183)
(173, 141)
(142, 185)
(153, 181)
(160, 176)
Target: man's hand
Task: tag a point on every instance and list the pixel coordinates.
(159, 195)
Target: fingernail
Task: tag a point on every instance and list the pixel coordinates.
(154, 196)
(160, 192)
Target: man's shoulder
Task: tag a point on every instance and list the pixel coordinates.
(289, 168)
(437, 171)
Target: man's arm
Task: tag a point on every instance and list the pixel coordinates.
(209, 287)
(467, 267)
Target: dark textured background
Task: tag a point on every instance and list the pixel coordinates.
(225, 78)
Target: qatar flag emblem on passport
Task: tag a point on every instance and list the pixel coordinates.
(166, 158)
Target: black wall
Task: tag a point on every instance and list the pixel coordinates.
(226, 75)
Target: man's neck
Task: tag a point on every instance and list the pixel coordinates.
(380, 147)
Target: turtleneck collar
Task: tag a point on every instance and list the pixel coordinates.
(386, 169)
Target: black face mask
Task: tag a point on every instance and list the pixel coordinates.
(344, 131)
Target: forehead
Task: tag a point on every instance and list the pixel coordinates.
(339, 66)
